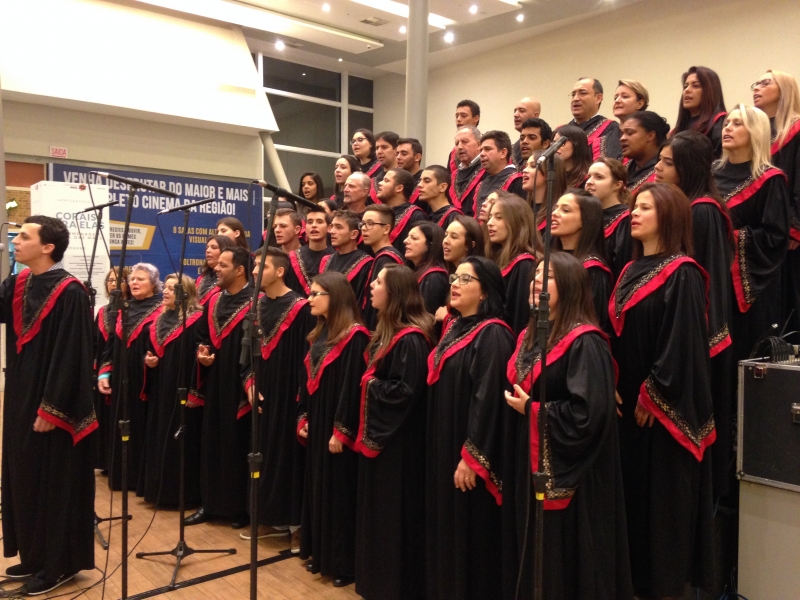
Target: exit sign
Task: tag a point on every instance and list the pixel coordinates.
(58, 152)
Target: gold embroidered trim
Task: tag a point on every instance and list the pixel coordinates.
(632, 185)
(484, 462)
(77, 426)
(745, 276)
(616, 218)
(441, 350)
(365, 439)
(719, 336)
(620, 301)
(274, 331)
(695, 436)
(215, 318)
(739, 188)
(303, 270)
(345, 430)
(26, 327)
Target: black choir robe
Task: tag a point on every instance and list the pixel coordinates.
(434, 285)
(585, 533)
(713, 132)
(385, 256)
(220, 390)
(390, 532)
(104, 331)
(638, 176)
(162, 451)
(47, 478)
(517, 276)
(285, 322)
(329, 406)
(658, 310)
(712, 237)
(603, 135)
(444, 216)
(759, 211)
(354, 265)
(786, 156)
(463, 182)
(466, 378)
(206, 285)
(305, 264)
(508, 179)
(140, 315)
(617, 230)
(601, 282)
(406, 216)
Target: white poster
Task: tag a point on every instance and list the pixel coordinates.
(64, 201)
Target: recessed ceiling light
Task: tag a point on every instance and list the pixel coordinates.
(304, 74)
(449, 37)
(520, 17)
(326, 7)
(473, 10)
(340, 60)
(401, 10)
(403, 29)
(279, 45)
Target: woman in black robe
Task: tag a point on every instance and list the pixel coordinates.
(702, 106)
(145, 290)
(464, 447)
(329, 405)
(585, 535)
(513, 242)
(686, 161)
(658, 310)
(206, 282)
(608, 180)
(163, 359)
(390, 534)
(578, 229)
(756, 196)
(778, 95)
(424, 251)
(641, 136)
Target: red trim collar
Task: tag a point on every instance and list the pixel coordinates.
(266, 349)
(434, 369)
(26, 335)
(217, 337)
(313, 381)
(517, 259)
(751, 189)
(159, 348)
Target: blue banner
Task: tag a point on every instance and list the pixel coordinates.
(156, 239)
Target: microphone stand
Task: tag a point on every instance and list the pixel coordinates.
(182, 549)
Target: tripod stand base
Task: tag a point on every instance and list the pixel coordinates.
(98, 534)
(181, 551)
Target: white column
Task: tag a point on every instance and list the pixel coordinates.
(417, 71)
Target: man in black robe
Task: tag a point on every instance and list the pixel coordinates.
(306, 259)
(48, 483)
(465, 177)
(433, 191)
(500, 173)
(356, 192)
(220, 389)
(603, 133)
(468, 114)
(526, 108)
(377, 224)
(534, 135)
(409, 157)
(287, 227)
(386, 153)
(348, 259)
(395, 190)
(285, 320)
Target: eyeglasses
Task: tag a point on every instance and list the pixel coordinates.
(760, 84)
(358, 140)
(462, 279)
(317, 294)
(369, 224)
(581, 93)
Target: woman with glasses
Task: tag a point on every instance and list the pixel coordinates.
(463, 486)
(390, 534)
(424, 251)
(702, 106)
(776, 93)
(584, 508)
(658, 311)
(363, 145)
(512, 243)
(327, 424)
(756, 196)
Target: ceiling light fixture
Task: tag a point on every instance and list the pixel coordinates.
(401, 10)
(403, 29)
(520, 17)
(340, 60)
(449, 37)
(473, 10)
(279, 45)
(326, 7)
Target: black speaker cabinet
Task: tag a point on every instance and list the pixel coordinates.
(768, 449)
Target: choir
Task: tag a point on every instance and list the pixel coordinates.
(399, 378)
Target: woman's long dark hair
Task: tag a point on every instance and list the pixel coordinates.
(581, 154)
(473, 238)
(371, 139)
(317, 180)
(355, 167)
(434, 255)
(674, 214)
(491, 282)
(711, 104)
(405, 308)
(592, 241)
(343, 309)
(523, 236)
(223, 243)
(559, 184)
(236, 225)
(575, 305)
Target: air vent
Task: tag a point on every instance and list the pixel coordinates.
(374, 21)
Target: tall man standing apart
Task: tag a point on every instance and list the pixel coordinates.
(48, 481)
(603, 134)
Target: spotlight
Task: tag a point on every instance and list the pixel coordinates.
(520, 17)
(449, 37)
(326, 7)
(279, 45)
(403, 29)
(473, 10)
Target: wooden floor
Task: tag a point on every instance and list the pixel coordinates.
(287, 579)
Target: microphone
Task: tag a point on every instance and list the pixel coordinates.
(134, 184)
(552, 149)
(186, 206)
(279, 191)
(98, 207)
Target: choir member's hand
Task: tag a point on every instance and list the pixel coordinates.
(204, 355)
(518, 400)
(335, 446)
(104, 386)
(151, 360)
(642, 416)
(303, 433)
(42, 426)
(441, 314)
(618, 398)
(464, 477)
(793, 244)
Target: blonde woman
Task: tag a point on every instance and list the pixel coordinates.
(629, 97)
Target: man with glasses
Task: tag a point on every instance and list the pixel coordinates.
(396, 188)
(603, 133)
(348, 259)
(376, 226)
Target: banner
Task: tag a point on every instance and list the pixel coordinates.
(156, 239)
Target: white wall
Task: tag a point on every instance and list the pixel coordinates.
(654, 41)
